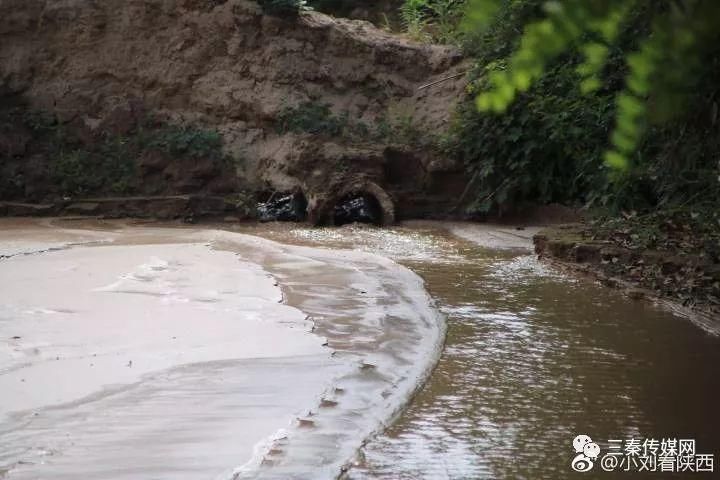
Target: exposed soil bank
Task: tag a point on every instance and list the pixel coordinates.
(682, 270)
(321, 105)
(183, 207)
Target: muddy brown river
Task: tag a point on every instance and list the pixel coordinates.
(531, 360)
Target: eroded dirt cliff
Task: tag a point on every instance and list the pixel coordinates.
(269, 86)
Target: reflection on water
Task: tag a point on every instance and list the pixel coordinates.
(531, 361)
(419, 245)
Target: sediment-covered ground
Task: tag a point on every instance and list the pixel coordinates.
(178, 353)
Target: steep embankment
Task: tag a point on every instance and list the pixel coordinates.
(318, 104)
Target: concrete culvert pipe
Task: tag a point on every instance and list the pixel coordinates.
(357, 207)
(363, 202)
(283, 207)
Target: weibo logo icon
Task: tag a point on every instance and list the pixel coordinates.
(587, 451)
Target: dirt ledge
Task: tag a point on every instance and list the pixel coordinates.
(236, 207)
(685, 283)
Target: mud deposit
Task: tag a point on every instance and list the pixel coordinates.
(280, 352)
(181, 353)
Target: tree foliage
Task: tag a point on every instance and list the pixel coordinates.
(433, 20)
(546, 140)
(663, 69)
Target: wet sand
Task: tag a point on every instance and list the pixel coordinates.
(153, 352)
(112, 314)
(114, 358)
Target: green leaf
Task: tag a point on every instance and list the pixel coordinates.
(590, 85)
(624, 142)
(616, 161)
(630, 105)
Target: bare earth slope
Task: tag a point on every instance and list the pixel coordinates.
(103, 64)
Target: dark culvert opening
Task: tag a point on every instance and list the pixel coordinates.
(283, 207)
(358, 207)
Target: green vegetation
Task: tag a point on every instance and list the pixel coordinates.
(544, 149)
(345, 7)
(664, 64)
(311, 117)
(183, 141)
(603, 103)
(399, 126)
(106, 165)
(283, 8)
(433, 20)
(317, 119)
(72, 167)
(77, 171)
(667, 230)
(599, 103)
(338, 7)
